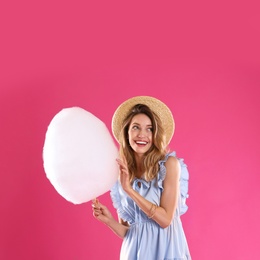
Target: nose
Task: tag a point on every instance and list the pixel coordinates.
(141, 133)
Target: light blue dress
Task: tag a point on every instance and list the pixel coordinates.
(145, 239)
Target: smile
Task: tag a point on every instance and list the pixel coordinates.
(141, 142)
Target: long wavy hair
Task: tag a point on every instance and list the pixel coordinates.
(156, 152)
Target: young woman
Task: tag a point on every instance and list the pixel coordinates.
(152, 188)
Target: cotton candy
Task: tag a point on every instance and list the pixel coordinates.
(79, 155)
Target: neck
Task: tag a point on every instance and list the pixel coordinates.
(139, 165)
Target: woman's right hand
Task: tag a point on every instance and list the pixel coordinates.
(101, 212)
(124, 175)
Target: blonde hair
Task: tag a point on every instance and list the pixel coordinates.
(157, 151)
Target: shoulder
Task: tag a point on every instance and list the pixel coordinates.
(172, 174)
(173, 167)
(170, 165)
(172, 162)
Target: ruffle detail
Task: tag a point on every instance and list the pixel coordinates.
(184, 180)
(117, 202)
(126, 207)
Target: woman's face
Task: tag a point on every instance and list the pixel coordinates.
(140, 133)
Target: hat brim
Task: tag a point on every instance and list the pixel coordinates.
(157, 106)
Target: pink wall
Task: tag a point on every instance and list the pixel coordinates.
(200, 58)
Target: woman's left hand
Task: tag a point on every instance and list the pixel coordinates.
(101, 212)
(124, 175)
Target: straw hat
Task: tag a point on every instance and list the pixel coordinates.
(157, 106)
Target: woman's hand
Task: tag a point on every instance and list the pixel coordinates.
(100, 212)
(124, 175)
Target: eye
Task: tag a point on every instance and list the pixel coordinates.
(150, 129)
(135, 127)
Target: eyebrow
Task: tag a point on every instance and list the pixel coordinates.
(134, 123)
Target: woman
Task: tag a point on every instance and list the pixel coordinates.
(152, 187)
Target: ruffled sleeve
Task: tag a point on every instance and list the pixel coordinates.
(184, 180)
(119, 199)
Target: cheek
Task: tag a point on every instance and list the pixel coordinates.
(131, 134)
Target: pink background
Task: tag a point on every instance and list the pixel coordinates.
(200, 57)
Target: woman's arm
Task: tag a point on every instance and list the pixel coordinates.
(101, 213)
(163, 214)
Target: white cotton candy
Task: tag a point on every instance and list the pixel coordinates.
(79, 155)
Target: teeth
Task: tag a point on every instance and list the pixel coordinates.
(140, 142)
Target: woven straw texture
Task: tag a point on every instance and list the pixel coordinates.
(157, 106)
